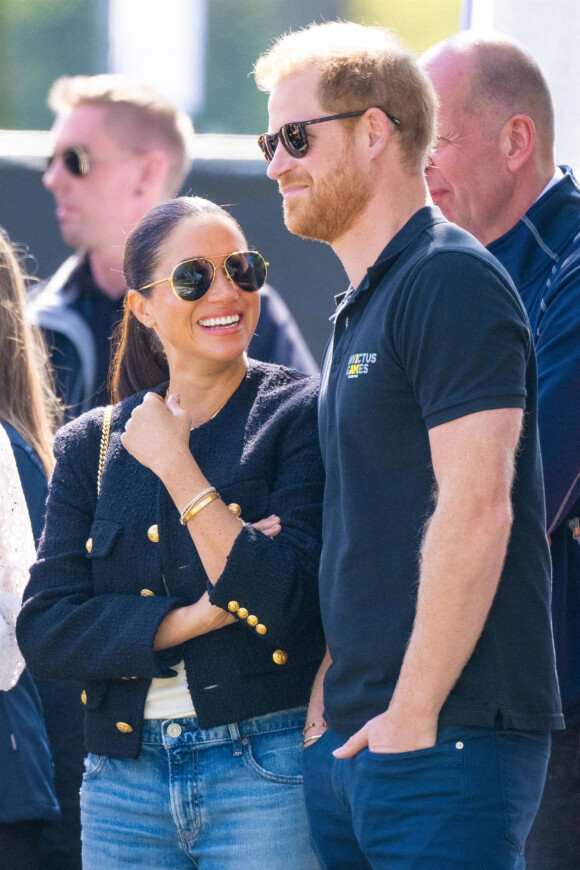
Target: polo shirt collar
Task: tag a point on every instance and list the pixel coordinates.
(420, 221)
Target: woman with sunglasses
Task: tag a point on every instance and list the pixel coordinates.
(194, 627)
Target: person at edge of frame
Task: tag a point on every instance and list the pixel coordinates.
(29, 416)
(493, 173)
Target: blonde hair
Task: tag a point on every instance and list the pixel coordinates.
(27, 398)
(137, 116)
(360, 67)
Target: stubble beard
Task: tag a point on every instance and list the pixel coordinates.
(332, 206)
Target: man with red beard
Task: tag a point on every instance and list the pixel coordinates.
(427, 737)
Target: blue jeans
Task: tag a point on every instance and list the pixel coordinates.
(225, 797)
(466, 803)
(554, 841)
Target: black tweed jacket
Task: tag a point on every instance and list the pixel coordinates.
(91, 612)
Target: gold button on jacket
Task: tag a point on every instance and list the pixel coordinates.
(280, 657)
(153, 533)
(252, 620)
(89, 545)
(147, 593)
(124, 727)
(84, 696)
(233, 606)
(243, 612)
(260, 628)
(235, 509)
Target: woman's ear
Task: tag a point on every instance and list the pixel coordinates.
(139, 306)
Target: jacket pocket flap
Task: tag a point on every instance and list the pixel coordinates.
(251, 496)
(104, 533)
(94, 693)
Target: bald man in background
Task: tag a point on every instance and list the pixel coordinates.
(493, 173)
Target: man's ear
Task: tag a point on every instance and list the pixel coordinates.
(139, 306)
(518, 140)
(153, 167)
(377, 128)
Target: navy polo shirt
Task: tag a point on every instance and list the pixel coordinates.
(435, 331)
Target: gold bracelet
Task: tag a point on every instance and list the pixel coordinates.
(198, 507)
(193, 501)
(310, 725)
(312, 737)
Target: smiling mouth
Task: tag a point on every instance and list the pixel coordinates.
(292, 189)
(215, 322)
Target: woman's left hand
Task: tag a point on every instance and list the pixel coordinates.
(157, 433)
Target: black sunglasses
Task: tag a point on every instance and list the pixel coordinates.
(75, 159)
(294, 136)
(191, 279)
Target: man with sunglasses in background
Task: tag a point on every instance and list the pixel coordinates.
(493, 173)
(120, 148)
(428, 734)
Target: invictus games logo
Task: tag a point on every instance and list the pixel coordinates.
(358, 364)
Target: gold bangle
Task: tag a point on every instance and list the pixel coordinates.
(198, 507)
(310, 725)
(312, 737)
(193, 501)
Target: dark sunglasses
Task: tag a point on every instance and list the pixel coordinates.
(294, 136)
(191, 279)
(75, 159)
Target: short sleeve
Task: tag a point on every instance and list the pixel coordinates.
(463, 338)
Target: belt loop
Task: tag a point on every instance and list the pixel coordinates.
(236, 739)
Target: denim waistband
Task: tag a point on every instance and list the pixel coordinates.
(162, 731)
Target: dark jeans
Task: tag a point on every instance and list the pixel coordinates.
(466, 803)
(19, 845)
(554, 841)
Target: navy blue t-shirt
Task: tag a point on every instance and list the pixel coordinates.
(434, 332)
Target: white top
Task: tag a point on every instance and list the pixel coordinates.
(16, 556)
(169, 698)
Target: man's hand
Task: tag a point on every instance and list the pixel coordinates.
(391, 732)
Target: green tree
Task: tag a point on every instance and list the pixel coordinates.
(41, 40)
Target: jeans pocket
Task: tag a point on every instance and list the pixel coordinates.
(434, 771)
(94, 765)
(276, 755)
(437, 749)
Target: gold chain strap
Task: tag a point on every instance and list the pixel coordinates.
(104, 444)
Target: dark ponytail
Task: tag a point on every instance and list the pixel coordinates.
(139, 361)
